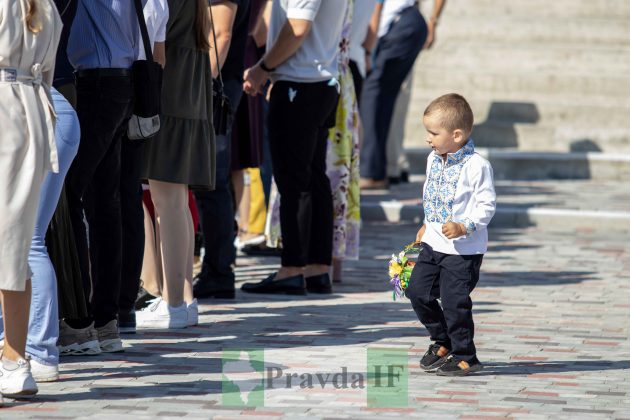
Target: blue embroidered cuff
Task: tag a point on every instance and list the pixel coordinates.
(470, 226)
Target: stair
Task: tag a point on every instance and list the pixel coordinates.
(549, 83)
(540, 75)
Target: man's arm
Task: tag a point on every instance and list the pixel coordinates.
(159, 53)
(290, 39)
(223, 15)
(433, 21)
(372, 33)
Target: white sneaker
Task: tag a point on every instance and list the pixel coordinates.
(193, 313)
(16, 380)
(44, 373)
(162, 315)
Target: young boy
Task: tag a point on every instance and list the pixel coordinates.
(459, 201)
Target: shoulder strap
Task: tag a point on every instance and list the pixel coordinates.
(148, 51)
(216, 52)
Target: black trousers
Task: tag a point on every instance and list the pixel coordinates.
(300, 115)
(451, 278)
(132, 217)
(395, 54)
(216, 210)
(104, 105)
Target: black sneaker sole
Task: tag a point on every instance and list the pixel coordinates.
(460, 372)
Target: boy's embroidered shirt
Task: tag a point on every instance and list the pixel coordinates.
(459, 189)
(441, 185)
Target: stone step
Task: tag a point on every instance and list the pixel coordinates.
(552, 219)
(561, 9)
(523, 107)
(536, 137)
(597, 60)
(550, 205)
(520, 165)
(527, 29)
(449, 79)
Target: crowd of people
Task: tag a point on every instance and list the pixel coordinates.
(274, 113)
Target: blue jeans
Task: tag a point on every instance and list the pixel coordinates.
(43, 327)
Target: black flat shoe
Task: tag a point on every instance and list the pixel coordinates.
(293, 285)
(206, 288)
(319, 284)
(261, 250)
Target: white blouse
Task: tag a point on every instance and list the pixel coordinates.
(461, 190)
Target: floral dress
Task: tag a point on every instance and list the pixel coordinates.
(342, 162)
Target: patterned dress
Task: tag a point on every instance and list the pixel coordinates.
(343, 157)
(342, 163)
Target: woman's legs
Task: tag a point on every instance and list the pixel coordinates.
(150, 275)
(15, 307)
(43, 328)
(176, 241)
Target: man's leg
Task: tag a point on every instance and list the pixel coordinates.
(216, 213)
(104, 219)
(395, 55)
(132, 216)
(322, 224)
(96, 138)
(293, 134)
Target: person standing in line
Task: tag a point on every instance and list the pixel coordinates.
(29, 35)
(103, 44)
(216, 208)
(302, 62)
(402, 33)
(43, 330)
(132, 213)
(179, 157)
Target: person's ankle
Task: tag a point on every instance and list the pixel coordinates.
(286, 272)
(316, 270)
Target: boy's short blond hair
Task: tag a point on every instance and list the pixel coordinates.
(455, 112)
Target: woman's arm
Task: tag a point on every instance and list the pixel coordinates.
(223, 15)
(262, 25)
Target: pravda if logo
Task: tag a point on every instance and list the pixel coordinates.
(382, 381)
(242, 383)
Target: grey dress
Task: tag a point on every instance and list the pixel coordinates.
(183, 151)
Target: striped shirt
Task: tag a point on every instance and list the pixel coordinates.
(104, 34)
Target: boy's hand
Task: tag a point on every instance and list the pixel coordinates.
(453, 230)
(420, 234)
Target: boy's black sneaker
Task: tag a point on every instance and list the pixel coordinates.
(434, 357)
(455, 367)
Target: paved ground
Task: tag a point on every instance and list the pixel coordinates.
(552, 329)
(584, 195)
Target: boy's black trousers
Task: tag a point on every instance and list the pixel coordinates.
(450, 278)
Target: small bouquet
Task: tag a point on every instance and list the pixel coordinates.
(400, 269)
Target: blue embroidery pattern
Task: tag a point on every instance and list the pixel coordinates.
(439, 194)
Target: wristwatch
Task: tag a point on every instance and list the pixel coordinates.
(264, 66)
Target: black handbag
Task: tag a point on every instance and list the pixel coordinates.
(221, 107)
(147, 88)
